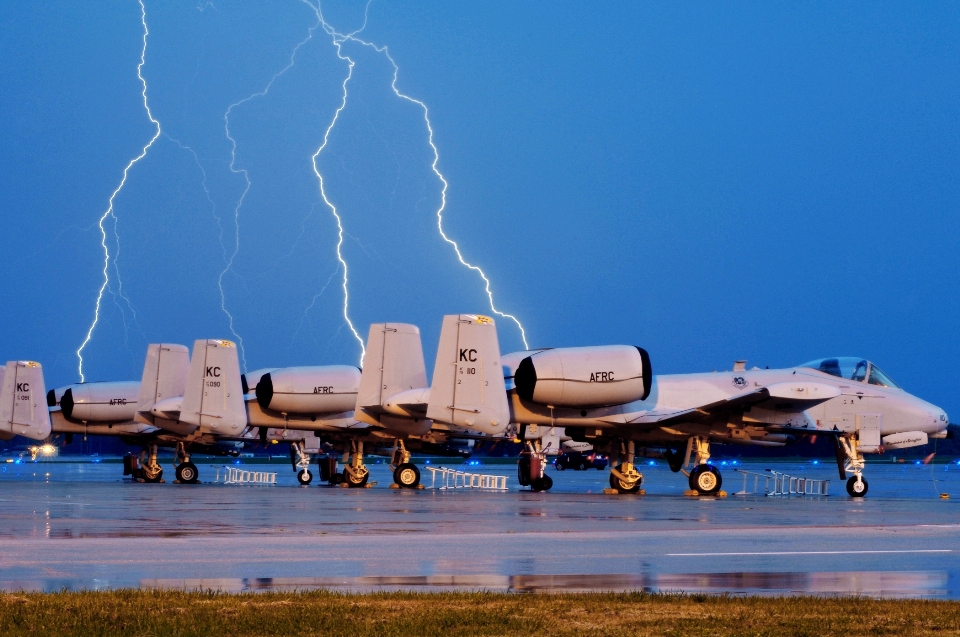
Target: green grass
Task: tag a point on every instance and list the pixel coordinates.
(160, 613)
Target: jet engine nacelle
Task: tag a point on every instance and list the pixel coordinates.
(585, 376)
(100, 402)
(309, 390)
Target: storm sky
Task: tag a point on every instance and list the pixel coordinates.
(711, 181)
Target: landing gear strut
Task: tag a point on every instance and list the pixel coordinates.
(187, 472)
(150, 470)
(355, 473)
(300, 460)
(625, 478)
(705, 479)
(530, 468)
(405, 474)
(856, 485)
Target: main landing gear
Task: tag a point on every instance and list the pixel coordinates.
(624, 477)
(300, 460)
(355, 473)
(187, 472)
(406, 475)
(704, 478)
(847, 448)
(143, 468)
(530, 468)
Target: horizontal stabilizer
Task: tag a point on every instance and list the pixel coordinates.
(23, 401)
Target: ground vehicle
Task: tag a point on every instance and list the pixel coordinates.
(580, 461)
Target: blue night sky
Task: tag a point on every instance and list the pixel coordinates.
(711, 181)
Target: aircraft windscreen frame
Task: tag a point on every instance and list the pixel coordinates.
(853, 368)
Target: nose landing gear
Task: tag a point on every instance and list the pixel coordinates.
(704, 478)
(355, 473)
(530, 468)
(186, 471)
(300, 460)
(847, 446)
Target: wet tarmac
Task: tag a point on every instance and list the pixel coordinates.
(80, 526)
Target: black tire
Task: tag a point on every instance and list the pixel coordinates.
(187, 473)
(154, 479)
(353, 483)
(523, 471)
(336, 479)
(407, 475)
(582, 466)
(623, 487)
(543, 483)
(852, 487)
(305, 477)
(705, 479)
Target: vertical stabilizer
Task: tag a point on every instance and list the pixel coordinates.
(164, 376)
(23, 401)
(393, 363)
(468, 389)
(213, 397)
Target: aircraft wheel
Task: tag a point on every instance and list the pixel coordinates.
(407, 475)
(156, 477)
(354, 482)
(541, 484)
(187, 473)
(625, 486)
(706, 479)
(305, 477)
(857, 489)
(523, 471)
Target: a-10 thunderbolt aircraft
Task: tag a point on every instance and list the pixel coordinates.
(203, 405)
(608, 396)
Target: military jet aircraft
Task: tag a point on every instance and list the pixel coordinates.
(609, 397)
(192, 404)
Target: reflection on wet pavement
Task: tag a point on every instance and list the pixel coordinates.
(73, 525)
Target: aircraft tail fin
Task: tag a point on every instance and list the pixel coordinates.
(23, 401)
(213, 396)
(393, 363)
(164, 376)
(468, 388)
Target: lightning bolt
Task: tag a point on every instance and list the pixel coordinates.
(109, 212)
(228, 265)
(338, 40)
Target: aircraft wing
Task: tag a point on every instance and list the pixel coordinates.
(785, 397)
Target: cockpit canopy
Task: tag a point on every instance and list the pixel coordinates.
(854, 369)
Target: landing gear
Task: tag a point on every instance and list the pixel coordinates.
(625, 478)
(530, 468)
(304, 477)
(706, 479)
(856, 486)
(406, 475)
(150, 470)
(674, 460)
(187, 472)
(300, 460)
(355, 473)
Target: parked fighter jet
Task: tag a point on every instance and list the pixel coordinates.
(608, 396)
(388, 403)
(190, 404)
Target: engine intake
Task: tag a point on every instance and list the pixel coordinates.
(585, 376)
(100, 402)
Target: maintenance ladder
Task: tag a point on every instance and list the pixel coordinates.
(783, 484)
(232, 475)
(455, 479)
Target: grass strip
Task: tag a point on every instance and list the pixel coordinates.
(157, 613)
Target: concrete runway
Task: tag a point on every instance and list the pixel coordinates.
(79, 526)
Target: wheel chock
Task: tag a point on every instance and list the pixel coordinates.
(420, 486)
(690, 493)
(343, 485)
(611, 492)
(642, 492)
(944, 496)
(693, 493)
(394, 485)
(721, 494)
(369, 485)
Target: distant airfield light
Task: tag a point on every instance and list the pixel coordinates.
(816, 462)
